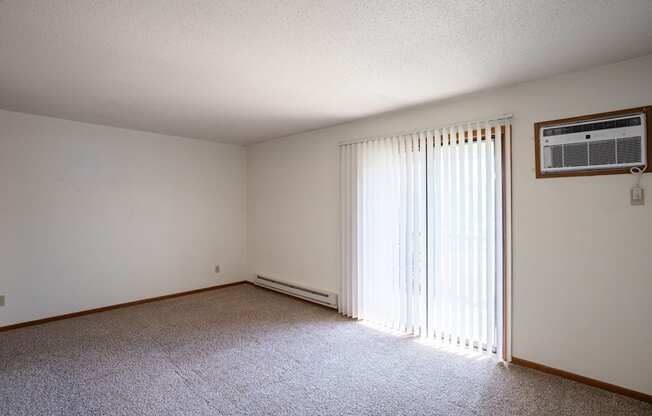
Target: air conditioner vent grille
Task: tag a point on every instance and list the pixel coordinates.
(600, 125)
(576, 154)
(629, 150)
(556, 156)
(602, 152)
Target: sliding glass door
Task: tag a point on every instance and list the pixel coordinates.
(422, 233)
(384, 233)
(465, 238)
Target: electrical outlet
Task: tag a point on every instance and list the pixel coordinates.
(637, 196)
(217, 268)
(2, 300)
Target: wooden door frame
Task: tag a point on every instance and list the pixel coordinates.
(506, 177)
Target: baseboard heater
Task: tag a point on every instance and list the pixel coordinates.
(316, 296)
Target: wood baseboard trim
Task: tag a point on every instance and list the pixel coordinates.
(584, 380)
(119, 305)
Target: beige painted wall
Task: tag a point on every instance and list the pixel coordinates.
(92, 216)
(582, 285)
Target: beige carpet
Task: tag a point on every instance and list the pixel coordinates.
(245, 350)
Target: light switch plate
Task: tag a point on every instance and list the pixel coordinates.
(637, 196)
(217, 268)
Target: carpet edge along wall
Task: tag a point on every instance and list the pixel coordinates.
(117, 306)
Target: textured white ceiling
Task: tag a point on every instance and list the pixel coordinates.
(243, 71)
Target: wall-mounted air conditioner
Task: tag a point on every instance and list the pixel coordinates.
(596, 144)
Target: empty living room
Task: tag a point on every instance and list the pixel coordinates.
(381, 207)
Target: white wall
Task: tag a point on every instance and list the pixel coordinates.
(582, 282)
(92, 216)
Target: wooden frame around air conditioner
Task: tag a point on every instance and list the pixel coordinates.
(541, 124)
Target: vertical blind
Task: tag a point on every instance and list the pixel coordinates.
(422, 233)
